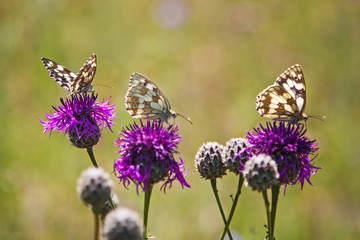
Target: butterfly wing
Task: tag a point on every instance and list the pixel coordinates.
(285, 100)
(145, 100)
(82, 81)
(60, 74)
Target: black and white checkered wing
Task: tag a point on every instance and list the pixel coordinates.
(82, 81)
(63, 76)
(285, 100)
(74, 83)
(145, 100)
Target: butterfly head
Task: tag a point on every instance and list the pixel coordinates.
(88, 88)
(165, 117)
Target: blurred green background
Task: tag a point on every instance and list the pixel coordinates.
(211, 58)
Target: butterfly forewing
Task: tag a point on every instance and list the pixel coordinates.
(145, 100)
(74, 83)
(60, 74)
(285, 99)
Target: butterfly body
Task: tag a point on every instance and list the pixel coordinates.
(285, 100)
(145, 100)
(74, 83)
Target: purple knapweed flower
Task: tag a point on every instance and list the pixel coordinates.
(81, 118)
(289, 147)
(147, 155)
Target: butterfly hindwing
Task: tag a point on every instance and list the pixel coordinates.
(292, 80)
(285, 99)
(145, 100)
(74, 83)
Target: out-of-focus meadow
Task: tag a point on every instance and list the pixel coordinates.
(211, 58)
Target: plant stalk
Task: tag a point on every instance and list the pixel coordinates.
(92, 157)
(213, 185)
(146, 208)
(233, 207)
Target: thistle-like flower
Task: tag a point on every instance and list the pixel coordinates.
(122, 223)
(260, 172)
(81, 118)
(289, 147)
(147, 155)
(208, 160)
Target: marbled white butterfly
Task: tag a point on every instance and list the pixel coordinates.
(74, 83)
(285, 100)
(145, 100)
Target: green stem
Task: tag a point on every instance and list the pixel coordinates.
(268, 217)
(97, 226)
(274, 201)
(213, 185)
(233, 207)
(146, 208)
(92, 157)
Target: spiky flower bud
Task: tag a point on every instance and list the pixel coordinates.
(122, 223)
(208, 160)
(84, 141)
(232, 160)
(260, 172)
(94, 186)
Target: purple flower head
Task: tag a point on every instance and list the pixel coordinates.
(289, 147)
(81, 118)
(146, 155)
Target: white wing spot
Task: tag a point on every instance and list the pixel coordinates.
(145, 97)
(59, 68)
(300, 103)
(288, 108)
(271, 111)
(273, 106)
(299, 86)
(290, 83)
(149, 86)
(293, 74)
(161, 102)
(156, 106)
(274, 101)
(135, 82)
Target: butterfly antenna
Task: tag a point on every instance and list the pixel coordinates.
(104, 85)
(321, 118)
(186, 118)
